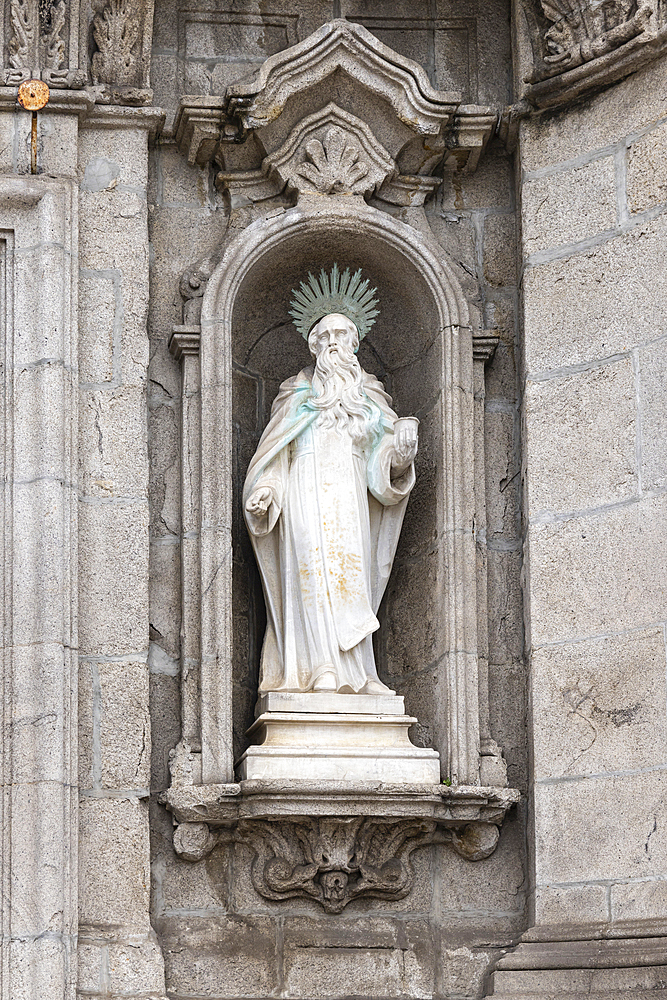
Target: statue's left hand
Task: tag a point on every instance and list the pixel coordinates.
(405, 447)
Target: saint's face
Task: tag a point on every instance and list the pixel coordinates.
(333, 331)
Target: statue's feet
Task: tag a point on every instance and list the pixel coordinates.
(326, 681)
(375, 686)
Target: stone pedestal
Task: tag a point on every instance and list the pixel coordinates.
(336, 744)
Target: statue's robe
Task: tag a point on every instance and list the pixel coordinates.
(326, 545)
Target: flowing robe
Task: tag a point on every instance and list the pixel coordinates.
(327, 542)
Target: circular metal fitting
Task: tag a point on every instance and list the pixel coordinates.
(33, 95)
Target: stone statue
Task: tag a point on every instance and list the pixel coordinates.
(324, 500)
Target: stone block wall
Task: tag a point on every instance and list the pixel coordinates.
(593, 202)
(119, 952)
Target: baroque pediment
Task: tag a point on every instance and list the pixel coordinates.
(280, 125)
(342, 45)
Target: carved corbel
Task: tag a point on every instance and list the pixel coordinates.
(339, 843)
(332, 860)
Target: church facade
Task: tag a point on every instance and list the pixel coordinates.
(487, 816)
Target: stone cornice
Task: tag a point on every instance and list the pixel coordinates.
(91, 115)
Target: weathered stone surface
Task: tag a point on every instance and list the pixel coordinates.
(601, 828)
(653, 409)
(595, 304)
(578, 904)
(490, 891)
(567, 207)
(99, 315)
(219, 956)
(647, 179)
(114, 589)
(600, 702)
(596, 123)
(500, 250)
(639, 900)
(462, 971)
(490, 186)
(114, 877)
(581, 439)
(112, 429)
(503, 479)
(125, 729)
(506, 640)
(600, 572)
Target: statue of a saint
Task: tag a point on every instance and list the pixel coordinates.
(324, 500)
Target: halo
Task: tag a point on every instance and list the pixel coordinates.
(334, 293)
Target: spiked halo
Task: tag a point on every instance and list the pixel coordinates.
(334, 293)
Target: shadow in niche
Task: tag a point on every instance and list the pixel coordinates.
(404, 350)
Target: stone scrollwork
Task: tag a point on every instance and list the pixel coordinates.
(337, 844)
(37, 45)
(334, 861)
(580, 31)
(23, 41)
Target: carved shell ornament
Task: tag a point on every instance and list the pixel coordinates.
(333, 165)
(337, 292)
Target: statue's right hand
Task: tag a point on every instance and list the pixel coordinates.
(259, 502)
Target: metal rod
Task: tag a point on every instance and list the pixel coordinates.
(33, 144)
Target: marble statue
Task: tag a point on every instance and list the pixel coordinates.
(324, 500)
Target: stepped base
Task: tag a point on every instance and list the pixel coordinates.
(324, 702)
(344, 746)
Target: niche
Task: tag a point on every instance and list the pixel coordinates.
(404, 349)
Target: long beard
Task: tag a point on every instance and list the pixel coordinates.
(338, 393)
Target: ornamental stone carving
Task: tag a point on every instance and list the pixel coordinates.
(334, 861)
(39, 42)
(337, 843)
(120, 63)
(423, 126)
(579, 31)
(116, 33)
(579, 45)
(331, 152)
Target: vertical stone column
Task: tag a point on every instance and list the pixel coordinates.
(38, 272)
(118, 950)
(593, 208)
(184, 345)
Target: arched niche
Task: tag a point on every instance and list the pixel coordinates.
(421, 348)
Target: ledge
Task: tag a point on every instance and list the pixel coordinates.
(336, 841)
(225, 805)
